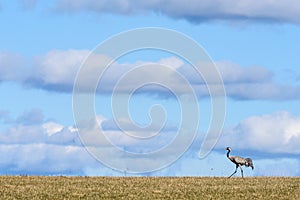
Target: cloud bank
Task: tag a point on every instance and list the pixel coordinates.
(193, 10)
(44, 147)
(31, 145)
(57, 70)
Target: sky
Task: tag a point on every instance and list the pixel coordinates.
(157, 113)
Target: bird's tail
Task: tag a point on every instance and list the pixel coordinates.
(249, 163)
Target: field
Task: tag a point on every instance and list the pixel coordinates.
(61, 187)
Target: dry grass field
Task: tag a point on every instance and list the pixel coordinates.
(60, 187)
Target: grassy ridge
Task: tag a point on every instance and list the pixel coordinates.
(35, 187)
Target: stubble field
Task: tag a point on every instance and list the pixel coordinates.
(61, 187)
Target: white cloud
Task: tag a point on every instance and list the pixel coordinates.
(126, 135)
(271, 133)
(268, 90)
(194, 10)
(52, 128)
(172, 62)
(47, 147)
(253, 82)
(51, 148)
(44, 159)
(57, 70)
(42, 147)
(234, 73)
(39, 133)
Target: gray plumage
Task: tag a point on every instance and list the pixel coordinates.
(239, 162)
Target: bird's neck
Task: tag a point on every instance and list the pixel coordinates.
(228, 151)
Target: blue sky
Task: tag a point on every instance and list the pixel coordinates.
(254, 45)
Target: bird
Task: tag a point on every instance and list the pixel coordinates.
(239, 162)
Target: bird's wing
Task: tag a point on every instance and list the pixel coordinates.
(239, 160)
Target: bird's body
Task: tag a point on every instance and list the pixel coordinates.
(239, 162)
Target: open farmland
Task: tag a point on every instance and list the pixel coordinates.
(61, 187)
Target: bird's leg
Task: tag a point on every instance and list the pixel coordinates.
(233, 172)
(242, 171)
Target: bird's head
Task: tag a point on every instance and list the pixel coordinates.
(228, 149)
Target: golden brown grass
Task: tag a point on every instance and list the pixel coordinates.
(60, 187)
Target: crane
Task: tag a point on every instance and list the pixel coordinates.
(239, 162)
